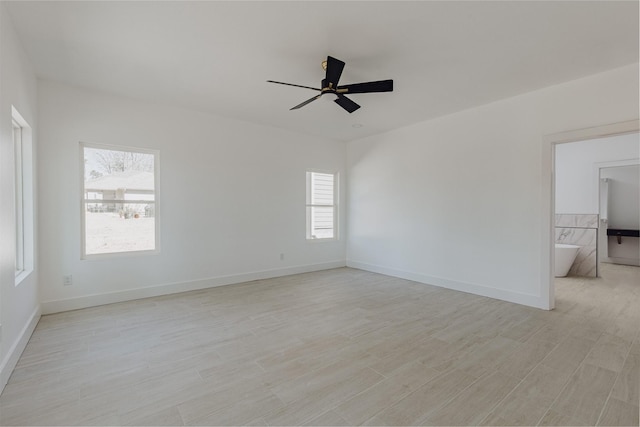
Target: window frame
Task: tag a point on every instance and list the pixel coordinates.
(309, 206)
(83, 202)
(21, 135)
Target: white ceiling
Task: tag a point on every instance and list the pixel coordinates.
(216, 56)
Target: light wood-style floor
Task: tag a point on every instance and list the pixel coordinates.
(337, 347)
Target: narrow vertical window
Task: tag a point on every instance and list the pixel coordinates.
(321, 205)
(119, 205)
(23, 196)
(19, 196)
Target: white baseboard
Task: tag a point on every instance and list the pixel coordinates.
(11, 359)
(56, 306)
(471, 288)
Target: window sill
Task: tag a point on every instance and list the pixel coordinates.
(111, 255)
(325, 239)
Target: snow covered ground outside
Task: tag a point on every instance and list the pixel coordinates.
(108, 232)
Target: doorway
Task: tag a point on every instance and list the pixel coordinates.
(550, 145)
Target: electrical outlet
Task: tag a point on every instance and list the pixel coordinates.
(67, 280)
(281, 257)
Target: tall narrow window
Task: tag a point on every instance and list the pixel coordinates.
(321, 205)
(23, 196)
(19, 195)
(119, 207)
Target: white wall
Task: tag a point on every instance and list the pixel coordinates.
(624, 196)
(462, 201)
(232, 198)
(19, 307)
(576, 170)
(623, 213)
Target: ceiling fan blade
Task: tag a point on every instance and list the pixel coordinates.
(346, 103)
(291, 84)
(379, 86)
(308, 101)
(334, 71)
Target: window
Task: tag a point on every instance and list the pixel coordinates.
(321, 205)
(19, 196)
(119, 202)
(23, 195)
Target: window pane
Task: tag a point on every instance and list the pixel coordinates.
(19, 196)
(132, 228)
(321, 222)
(119, 201)
(321, 189)
(101, 161)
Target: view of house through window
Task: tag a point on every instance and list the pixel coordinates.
(119, 201)
(321, 205)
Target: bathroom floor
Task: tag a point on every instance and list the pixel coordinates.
(337, 347)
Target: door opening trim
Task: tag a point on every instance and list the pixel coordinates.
(547, 288)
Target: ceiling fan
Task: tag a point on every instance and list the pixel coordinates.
(329, 84)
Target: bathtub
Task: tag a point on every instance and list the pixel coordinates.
(565, 256)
